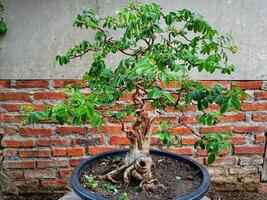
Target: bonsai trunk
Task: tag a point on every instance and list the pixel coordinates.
(137, 163)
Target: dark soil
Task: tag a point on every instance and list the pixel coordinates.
(236, 196)
(167, 170)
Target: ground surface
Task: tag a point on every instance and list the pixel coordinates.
(179, 179)
(236, 196)
(211, 195)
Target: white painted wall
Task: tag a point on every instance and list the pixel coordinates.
(40, 29)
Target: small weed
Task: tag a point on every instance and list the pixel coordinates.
(123, 196)
(117, 160)
(111, 187)
(178, 178)
(91, 183)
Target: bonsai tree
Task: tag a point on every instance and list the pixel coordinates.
(158, 49)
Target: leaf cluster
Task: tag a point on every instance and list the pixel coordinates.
(213, 143)
(3, 26)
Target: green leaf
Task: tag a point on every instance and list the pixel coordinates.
(211, 158)
(3, 27)
(96, 119)
(168, 19)
(123, 196)
(111, 187)
(224, 107)
(155, 93)
(41, 115)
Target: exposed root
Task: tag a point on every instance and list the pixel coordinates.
(139, 170)
(109, 176)
(152, 185)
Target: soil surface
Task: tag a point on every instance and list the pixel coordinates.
(179, 179)
(236, 196)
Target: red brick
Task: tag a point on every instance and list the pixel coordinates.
(127, 96)
(249, 129)
(27, 185)
(52, 163)
(253, 106)
(35, 131)
(214, 129)
(119, 140)
(54, 184)
(175, 130)
(74, 151)
(128, 118)
(172, 120)
(10, 152)
(11, 107)
(199, 160)
(10, 143)
(64, 83)
(260, 139)
(37, 107)
(97, 150)
(35, 153)
(65, 173)
(32, 84)
(75, 161)
(172, 84)
(53, 141)
(15, 174)
(10, 131)
(261, 95)
(238, 140)
(190, 108)
(71, 130)
(248, 150)
(39, 174)
(49, 95)
(222, 161)
(11, 118)
(148, 107)
(14, 96)
(189, 140)
(181, 131)
(259, 117)
(248, 85)
(109, 129)
(214, 83)
(188, 120)
(182, 150)
(233, 117)
(18, 164)
(5, 84)
(212, 107)
(201, 152)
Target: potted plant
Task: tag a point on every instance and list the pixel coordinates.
(158, 49)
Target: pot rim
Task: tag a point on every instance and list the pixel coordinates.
(84, 193)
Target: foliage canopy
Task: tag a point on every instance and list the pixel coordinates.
(158, 49)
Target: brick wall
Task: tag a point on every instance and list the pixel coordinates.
(42, 157)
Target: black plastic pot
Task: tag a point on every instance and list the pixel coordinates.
(88, 195)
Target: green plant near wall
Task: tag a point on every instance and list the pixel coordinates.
(158, 48)
(3, 27)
